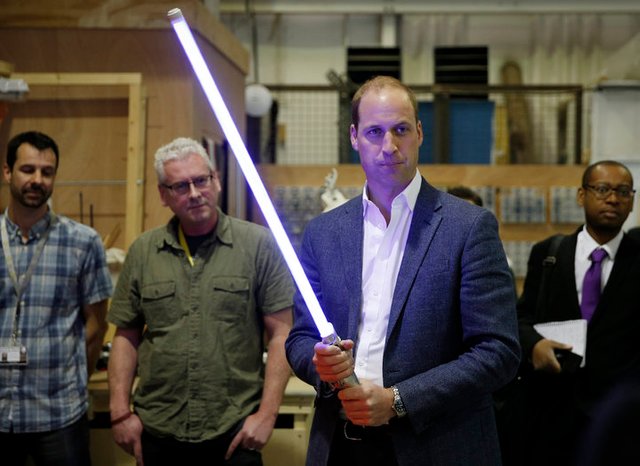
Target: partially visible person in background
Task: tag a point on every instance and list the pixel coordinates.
(54, 284)
(467, 194)
(612, 437)
(474, 198)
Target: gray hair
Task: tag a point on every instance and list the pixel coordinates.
(179, 149)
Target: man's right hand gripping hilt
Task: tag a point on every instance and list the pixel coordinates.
(350, 381)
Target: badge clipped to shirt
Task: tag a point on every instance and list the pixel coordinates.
(13, 356)
(16, 354)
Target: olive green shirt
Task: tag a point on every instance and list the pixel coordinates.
(200, 363)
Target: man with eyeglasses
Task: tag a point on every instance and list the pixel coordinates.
(557, 287)
(191, 306)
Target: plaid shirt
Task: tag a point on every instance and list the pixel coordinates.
(50, 392)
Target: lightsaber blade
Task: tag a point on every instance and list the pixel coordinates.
(182, 30)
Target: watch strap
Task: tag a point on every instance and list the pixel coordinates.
(398, 405)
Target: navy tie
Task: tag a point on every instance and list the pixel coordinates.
(591, 284)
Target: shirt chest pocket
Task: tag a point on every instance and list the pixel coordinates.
(157, 301)
(230, 298)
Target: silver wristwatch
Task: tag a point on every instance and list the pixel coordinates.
(398, 405)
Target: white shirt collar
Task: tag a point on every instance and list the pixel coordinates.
(586, 244)
(409, 195)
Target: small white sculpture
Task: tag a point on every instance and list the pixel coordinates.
(331, 197)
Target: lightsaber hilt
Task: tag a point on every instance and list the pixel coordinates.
(350, 381)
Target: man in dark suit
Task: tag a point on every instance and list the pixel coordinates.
(417, 283)
(561, 401)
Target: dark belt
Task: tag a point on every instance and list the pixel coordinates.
(366, 433)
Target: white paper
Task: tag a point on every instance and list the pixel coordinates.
(570, 332)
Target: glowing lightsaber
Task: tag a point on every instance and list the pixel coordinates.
(325, 328)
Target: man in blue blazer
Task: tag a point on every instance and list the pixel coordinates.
(417, 283)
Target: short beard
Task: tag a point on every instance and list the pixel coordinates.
(21, 198)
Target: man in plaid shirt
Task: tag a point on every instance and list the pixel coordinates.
(54, 286)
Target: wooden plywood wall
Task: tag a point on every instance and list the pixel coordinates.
(93, 166)
(91, 124)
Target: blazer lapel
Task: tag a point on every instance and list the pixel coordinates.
(424, 224)
(350, 237)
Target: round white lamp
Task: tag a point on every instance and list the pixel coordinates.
(257, 99)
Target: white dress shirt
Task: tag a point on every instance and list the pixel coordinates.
(383, 250)
(584, 247)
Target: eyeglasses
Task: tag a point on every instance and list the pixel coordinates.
(603, 191)
(183, 187)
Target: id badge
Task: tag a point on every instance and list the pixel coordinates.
(13, 356)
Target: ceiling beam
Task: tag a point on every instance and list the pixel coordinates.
(432, 7)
